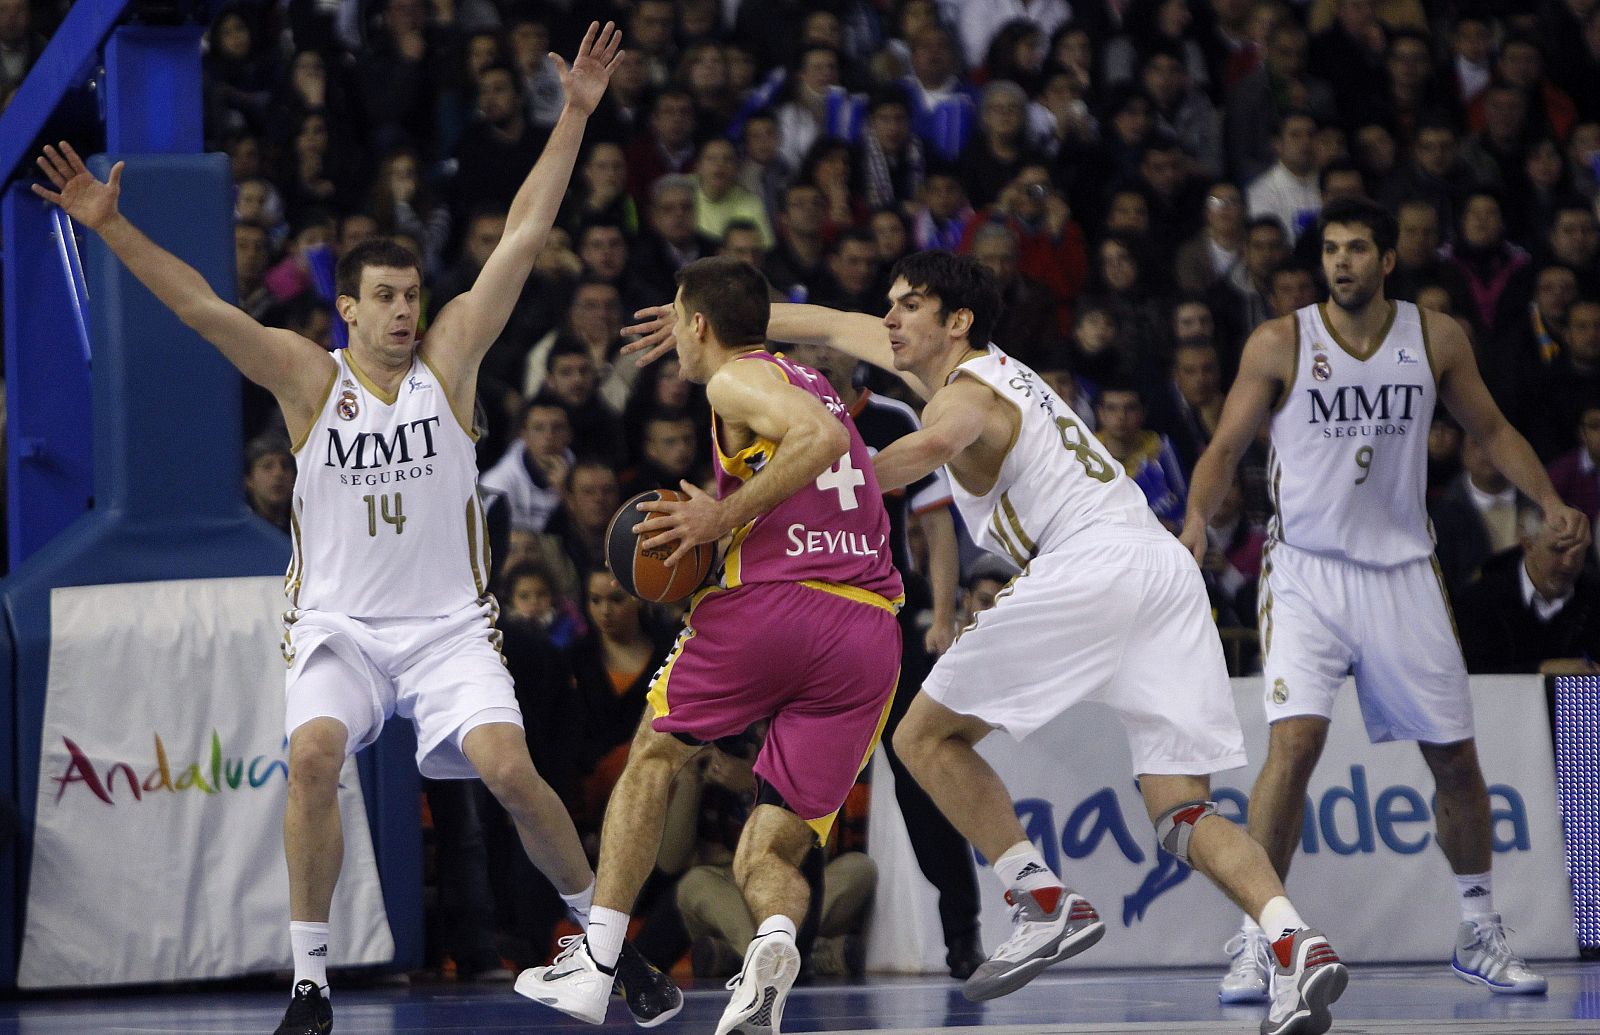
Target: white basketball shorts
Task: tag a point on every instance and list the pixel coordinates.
(1322, 618)
(444, 674)
(1121, 619)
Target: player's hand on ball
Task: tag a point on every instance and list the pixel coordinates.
(683, 523)
(79, 194)
(657, 334)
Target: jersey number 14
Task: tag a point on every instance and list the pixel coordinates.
(378, 506)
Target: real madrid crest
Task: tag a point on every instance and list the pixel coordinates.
(349, 409)
(1321, 369)
(1280, 692)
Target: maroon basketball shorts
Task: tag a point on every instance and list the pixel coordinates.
(819, 660)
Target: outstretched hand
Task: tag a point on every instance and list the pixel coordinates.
(79, 194)
(658, 334)
(585, 82)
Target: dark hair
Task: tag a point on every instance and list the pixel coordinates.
(670, 91)
(565, 345)
(1257, 222)
(543, 401)
(511, 73)
(1568, 203)
(379, 251)
(590, 225)
(313, 215)
(886, 97)
(1296, 113)
(1289, 266)
(733, 297)
(1339, 165)
(958, 282)
(746, 225)
(854, 235)
(529, 570)
(264, 445)
(1120, 384)
(1366, 212)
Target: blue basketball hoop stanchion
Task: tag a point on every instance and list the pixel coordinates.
(129, 470)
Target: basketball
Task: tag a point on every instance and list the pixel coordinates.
(644, 573)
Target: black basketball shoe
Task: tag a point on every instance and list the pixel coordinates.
(651, 996)
(308, 1014)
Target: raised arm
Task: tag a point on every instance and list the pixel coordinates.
(472, 321)
(1265, 370)
(810, 441)
(855, 334)
(294, 369)
(1463, 392)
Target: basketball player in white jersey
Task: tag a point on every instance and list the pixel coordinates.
(389, 608)
(1350, 389)
(1109, 607)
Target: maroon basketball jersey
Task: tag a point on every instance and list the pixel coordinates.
(833, 531)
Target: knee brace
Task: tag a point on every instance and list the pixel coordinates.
(1175, 826)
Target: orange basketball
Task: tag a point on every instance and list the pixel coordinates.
(644, 573)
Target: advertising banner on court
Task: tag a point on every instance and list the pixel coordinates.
(1369, 870)
(158, 851)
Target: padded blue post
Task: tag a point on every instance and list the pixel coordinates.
(167, 465)
(48, 445)
(392, 791)
(152, 105)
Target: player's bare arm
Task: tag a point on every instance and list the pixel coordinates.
(296, 370)
(954, 419)
(855, 334)
(944, 574)
(1463, 392)
(471, 322)
(752, 400)
(1265, 371)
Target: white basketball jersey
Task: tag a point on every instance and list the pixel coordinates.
(1056, 481)
(386, 521)
(1349, 466)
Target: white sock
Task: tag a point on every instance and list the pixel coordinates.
(579, 904)
(777, 925)
(1022, 868)
(310, 944)
(608, 929)
(1249, 926)
(1278, 918)
(1477, 895)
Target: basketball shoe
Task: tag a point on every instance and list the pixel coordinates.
(1246, 980)
(771, 964)
(1047, 926)
(651, 996)
(309, 1012)
(573, 982)
(1482, 957)
(1306, 977)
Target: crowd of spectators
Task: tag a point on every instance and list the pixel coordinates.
(1139, 176)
